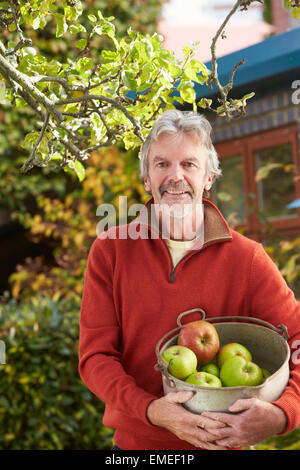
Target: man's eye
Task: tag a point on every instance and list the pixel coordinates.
(189, 164)
(161, 164)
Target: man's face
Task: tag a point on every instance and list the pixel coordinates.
(177, 170)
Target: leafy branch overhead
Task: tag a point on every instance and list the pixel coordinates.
(95, 99)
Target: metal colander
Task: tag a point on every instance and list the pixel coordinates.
(269, 348)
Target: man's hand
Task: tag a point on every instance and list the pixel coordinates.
(168, 413)
(256, 420)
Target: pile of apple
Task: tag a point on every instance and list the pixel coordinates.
(198, 359)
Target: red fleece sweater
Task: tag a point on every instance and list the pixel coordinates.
(132, 296)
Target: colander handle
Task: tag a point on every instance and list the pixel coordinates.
(163, 369)
(187, 312)
(280, 329)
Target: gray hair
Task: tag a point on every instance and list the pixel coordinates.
(175, 121)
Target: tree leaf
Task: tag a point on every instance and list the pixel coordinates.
(187, 92)
(247, 97)
(187, 50)
(296, 13)
(287, 4)
(61, 24)
(92, 18)
(81, 44)
(84, 64)
(130, 82)
(204, 102)
(78, 168)
(98, 131)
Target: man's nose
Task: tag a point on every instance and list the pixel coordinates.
(176, 173)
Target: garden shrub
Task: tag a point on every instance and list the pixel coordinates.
(44, 405)
(66, 222)
(43, 402)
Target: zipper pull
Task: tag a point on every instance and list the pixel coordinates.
(172, 278)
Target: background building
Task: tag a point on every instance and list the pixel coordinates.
(264, 142)
(184, 23)
(266, 139)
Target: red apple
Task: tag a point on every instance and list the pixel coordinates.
(202, 338)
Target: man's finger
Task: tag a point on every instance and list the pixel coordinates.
(211, 446)
(179, 397)
(242, 404)
(204, 440)
(221, 432)
(222, 417)
(228, 443)
(205, 423)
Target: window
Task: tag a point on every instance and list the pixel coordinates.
(258, 181)
(278, 190)
(229, 193)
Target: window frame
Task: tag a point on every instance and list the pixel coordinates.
(246, 147)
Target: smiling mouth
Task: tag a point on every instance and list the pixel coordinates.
(176, 193)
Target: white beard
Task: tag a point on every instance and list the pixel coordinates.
(177, 211)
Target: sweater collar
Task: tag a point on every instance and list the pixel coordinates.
(215, 226)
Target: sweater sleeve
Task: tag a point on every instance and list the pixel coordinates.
(272, 300)
(100, 361)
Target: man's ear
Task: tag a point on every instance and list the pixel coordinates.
(209, 183)
(147, 184)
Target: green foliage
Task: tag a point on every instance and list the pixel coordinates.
(43, 402)
(51, 52)
(61, 214)
(286, 255)
(267, 11)
(277, 175)
(94, 97)
(284, 252)
(294, 7)
(237, 105)
(289, 441)
(20, 194)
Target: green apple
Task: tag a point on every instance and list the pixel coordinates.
(211, 368)
(204, 379)
(181, 361)
(230, 350)
(237, 371)
(266, 373)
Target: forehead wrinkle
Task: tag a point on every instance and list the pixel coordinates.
(157, 154)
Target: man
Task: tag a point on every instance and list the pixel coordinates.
(136, 286)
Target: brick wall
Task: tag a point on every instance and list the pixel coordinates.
(281, 18)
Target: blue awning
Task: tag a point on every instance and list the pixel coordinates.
(272, 56)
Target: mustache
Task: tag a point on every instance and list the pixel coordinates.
(185, 188)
